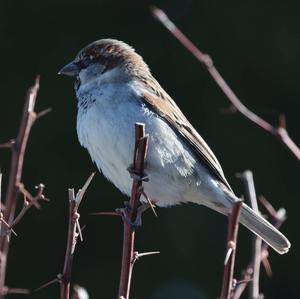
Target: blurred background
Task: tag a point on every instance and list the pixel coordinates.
(254, 44)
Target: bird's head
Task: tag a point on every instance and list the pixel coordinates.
(101, 57)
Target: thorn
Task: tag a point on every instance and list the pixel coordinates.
(139, 255)
(152, 206)
(47, 284)
(83, 227)
(228, 254)
(231, 247)
(81, 191)
(267, 266)
(7, 226)
(243, 281)
(44, 198)
(43, 112)
(79, 230)
(13, 232)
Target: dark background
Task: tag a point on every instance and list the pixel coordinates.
(255, 45)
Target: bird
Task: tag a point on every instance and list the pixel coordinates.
(115, 89)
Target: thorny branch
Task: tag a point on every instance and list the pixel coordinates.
(74, 231)
(233, 225)
(277, 219)
(15, 185)
(129, 256)
(29, 201)
(279, 132)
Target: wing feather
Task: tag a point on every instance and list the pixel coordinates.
(160, 102)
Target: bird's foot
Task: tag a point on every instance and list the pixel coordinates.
(135, 176)
(126, 214)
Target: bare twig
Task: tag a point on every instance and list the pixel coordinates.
(277, 219)
(18, 148)
(74, 231)
(7, 291)
(233, 225)
(138, 255)
(128, 256)
(279, 132)
(247, 178)
(48, 283)
(29, 201)
(8, 144)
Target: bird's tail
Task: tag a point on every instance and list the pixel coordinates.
(265, 230)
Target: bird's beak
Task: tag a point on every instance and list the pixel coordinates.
(71, 69)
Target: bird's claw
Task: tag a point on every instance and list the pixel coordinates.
(125, 213)
(135, 176)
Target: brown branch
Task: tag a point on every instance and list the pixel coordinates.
(30, 201)
(18, 291)
(5, 290)
(233, 225)
(18, 148)
(130, 214)
(8, 144)
(279, 132)
(74, 231)
(247, 178)
(277, 219)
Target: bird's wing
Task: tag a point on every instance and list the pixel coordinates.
(159, 101)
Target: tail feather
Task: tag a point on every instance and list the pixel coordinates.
(265, 230)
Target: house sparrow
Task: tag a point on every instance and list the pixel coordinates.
(115, 89)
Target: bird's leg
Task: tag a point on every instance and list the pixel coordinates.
(126, 212)
(135, 176)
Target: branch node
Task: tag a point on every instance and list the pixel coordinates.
(10, 144)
